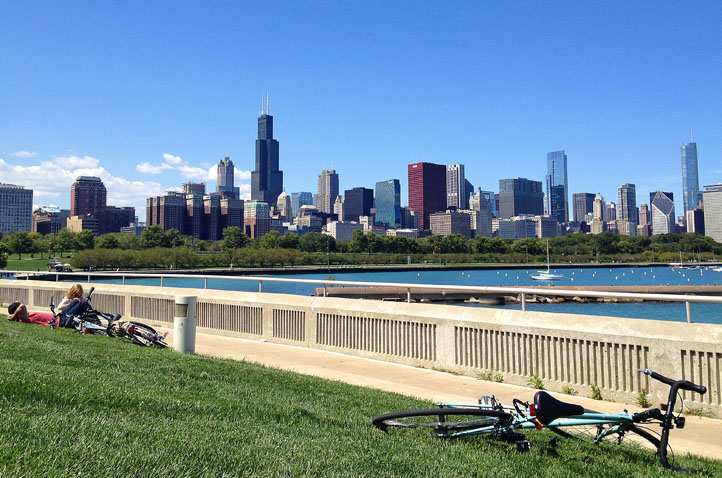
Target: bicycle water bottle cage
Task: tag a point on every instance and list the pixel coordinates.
(549, 408)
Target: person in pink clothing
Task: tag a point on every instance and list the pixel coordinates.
(18, 312)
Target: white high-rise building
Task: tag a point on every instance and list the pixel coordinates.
(456, 192)
(16, 208)
(663, 218)
(712, 200)
(327, 190)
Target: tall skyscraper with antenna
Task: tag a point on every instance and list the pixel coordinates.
(690, 177)
(266, 179)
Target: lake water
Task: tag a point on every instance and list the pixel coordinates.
(703, 313)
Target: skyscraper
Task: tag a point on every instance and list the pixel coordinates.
(427, 190)
(713, 211)
(327, 190)
(556, 202)
(388, 203)
(663, 218)
(627, 209)
(481, 219)
(299, 199)
(88, 198)
(583, 205)
(456, 194)
(194, 188)
(357, 202)
(598, 215)
(226, 173)
(267, 179)
(16, 208)
(520, 196)
(690, 179)
(256, 219)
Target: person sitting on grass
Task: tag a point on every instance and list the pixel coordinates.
(73, 303)
(18, 312)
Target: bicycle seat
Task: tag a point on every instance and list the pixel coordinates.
(549, 408)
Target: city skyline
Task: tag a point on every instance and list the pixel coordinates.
(145, 133)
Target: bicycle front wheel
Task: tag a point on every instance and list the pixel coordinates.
(598, 433)
(445, 422)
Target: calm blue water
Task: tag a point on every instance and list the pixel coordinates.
(706, 313)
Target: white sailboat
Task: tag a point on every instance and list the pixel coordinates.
(547, 274)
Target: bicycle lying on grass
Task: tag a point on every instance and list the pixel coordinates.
(569, 420)
(95, 322)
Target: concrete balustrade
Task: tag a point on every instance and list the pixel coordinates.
(571, 350)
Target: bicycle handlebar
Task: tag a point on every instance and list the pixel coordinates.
(683, 384)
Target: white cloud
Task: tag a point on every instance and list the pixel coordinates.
(75, 162)
(170, 159)
(241, 175)
(192, 172)
(148, 168)
(50, 180)
(24, 154)
(245, 190)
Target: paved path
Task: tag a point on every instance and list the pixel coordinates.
(701, 436)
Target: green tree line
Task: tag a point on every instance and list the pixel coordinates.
(156, 248)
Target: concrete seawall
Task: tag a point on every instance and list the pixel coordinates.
(418, 294)
(560, 349)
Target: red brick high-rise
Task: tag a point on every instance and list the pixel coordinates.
(427, 190)
(88, 197)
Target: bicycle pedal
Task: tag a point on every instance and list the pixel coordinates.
(523, 446)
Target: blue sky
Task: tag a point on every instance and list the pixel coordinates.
(151, 94)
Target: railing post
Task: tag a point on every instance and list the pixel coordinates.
(57, 277)
(205, 282)
(123, 279)
(324, 290)
(260, 286)
(408, 295)
(523, 302)
(161, 281)
(88, 278)
(688, 306)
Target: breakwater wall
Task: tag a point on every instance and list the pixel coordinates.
(451, 295)
(570, 350)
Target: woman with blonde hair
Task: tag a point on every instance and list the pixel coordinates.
(73, 303)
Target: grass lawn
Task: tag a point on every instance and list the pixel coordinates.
(75, 405)
(26, 264)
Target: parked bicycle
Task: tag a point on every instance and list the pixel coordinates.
(492, 418)
(93, 321)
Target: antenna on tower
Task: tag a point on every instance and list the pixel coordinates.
(268, 108)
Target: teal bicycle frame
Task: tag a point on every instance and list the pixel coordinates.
(618, 423)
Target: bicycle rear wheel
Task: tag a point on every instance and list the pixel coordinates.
(445, 422)
(146, 335)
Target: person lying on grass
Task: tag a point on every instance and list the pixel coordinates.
(72, 304)
(18, 312)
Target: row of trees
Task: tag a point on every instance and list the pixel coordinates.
(237, 248)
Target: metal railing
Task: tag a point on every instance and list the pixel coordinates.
(522, 292)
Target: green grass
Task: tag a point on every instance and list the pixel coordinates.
(27, 265)
(73, 405)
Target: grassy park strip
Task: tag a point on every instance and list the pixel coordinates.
(75, 405)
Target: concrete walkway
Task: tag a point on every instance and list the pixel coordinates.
(701, 436)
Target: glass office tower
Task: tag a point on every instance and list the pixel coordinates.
(388, 203)
(690, 178)
(556, 201)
